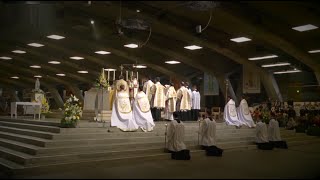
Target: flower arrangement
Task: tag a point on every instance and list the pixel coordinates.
(265, 116)
(72, 112)
(44, 105)
(101, 81)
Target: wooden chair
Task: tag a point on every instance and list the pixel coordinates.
(216, 113)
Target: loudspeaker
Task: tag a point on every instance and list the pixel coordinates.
(198, 29)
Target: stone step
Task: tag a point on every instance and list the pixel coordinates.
(31, 126)
(18, 146)
(14, 156)
(24, 139)
(28, 132)
(29, 121)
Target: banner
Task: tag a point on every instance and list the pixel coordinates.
(211, 85)
(251, 80)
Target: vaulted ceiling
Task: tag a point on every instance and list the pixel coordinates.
(173, 25)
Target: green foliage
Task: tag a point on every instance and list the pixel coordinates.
(72, 112)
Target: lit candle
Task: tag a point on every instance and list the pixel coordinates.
(108, 75)
(126, 75)
(114, 75)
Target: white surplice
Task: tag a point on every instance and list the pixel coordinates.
(244, 114)
(230, 114)
(175, 136)
(195, 100)
(171, 99)
(141, 112)
(261, 132)
(208, 132)
(274, 130)
(121, 116)
(147, 89)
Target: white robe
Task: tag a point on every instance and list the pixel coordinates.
(208, 132)
(195, 100)
(244, 114)
(147, 89)
(121, 116)
(175, 136)
(183, 102)
(230, 114)
(261, 132)
(274, 131)
(171, 100)
(190, 94)
(158, 96)
(141, 112)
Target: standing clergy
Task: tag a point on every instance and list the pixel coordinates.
(262, 140)
(189, 114)
(121, 116)
(195, 108)
(244, 114)
(158, 99)
(183, 102)
(207, 133)
(147, 89)
(274, 133)
(230, 113)
(141, 111)
(171, 100)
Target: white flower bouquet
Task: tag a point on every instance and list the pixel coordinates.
(72, 112)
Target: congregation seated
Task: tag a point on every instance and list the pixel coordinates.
(262, 140)
(208, 136)
(176, 145)
(291, 124)
(274, 134)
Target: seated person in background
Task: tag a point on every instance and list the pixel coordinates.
(208, 136)
(291, 124)
(262, 136)
(175, 137)
(274, 134)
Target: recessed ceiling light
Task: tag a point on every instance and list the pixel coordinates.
(15, 77)
(56, 37)
(140, 66)
(102, 52)
(92, 21)
(172, 62)
(37, 76)
(110, 69)
(54, 62)
(240, 39)
(193, 47)
(76, 58)
(5, 58)
(131, 45)
(314, 51)
(286, 72)
(306, 27)
(35, 66)
(60, 74)
(263, 57)
(83, 72)
(18, 51)
(138, 10)
(276, 64)
(35, 44)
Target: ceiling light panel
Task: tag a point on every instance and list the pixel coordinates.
(102, 52)
(314, 51)
(35, 45)
(286, 72)
(15, 77)
(110, 69)
(306, 27)
(61, 74)
(54, 62)
(140, 66)
(262, 57)
(56, 37)
(240, 39)
(37, 76)
(172, 62)
(276, 64)
(5, 58)
(83, 72)
(35, 66)
(193, 47)
(19, 51)
(131, 45)
(76, 58)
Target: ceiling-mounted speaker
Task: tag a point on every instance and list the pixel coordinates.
(198, 29)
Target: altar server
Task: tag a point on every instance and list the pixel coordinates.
(262, 140)
(195, 108)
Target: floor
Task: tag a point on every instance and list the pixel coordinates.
(295, 162)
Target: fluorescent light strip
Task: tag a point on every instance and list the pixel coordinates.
(286, 72)
(131, 45)
(35, 45)
(83, 72)
(193, 47)
(60, 74)
(263, 57)
(102, 52)
(35, 66)
(56, 37)
(306, 27)
(172, 62)
(54, 62)
(15, 77)
(18, 51)
(37, 76)
(110, 69)
(76, 58)
(314, 51)
(240, 39)
(5, 58)
(276, 64)
(140, 66)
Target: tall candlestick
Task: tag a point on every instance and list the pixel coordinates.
(108, 75)
(131, 74)
(114, 75)
(137, 75)
(126, 75)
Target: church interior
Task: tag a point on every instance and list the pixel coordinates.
(113, 87)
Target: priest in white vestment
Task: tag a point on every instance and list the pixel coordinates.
(208, 132)
(147, 89)
(121, 116)
(183, 102)
(158, 99)
(195, 108)
(141, 111)
(230, 113)
(175, 136)
(171, 100)
(189, 113)
(244, 114)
